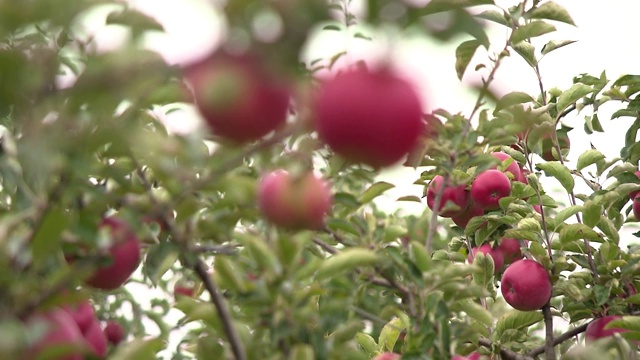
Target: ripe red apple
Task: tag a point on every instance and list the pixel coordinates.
(512, 168)
(82, 313)
(183, 290)
(487, 250)
(387, 356)
(238, 97)
(369, 116)
(523, 176)
(473, 356)
(62, 334)
(632, 195)
(526, 285)
(595, 329)
(511, 250)
(114, 332)
(295, 202)
(548, 145)
(489, 187)
(124, 255)
(463, 218)
(458, 195)
(96, 339)
(635, 206)
(537, 208)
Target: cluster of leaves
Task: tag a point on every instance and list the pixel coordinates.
(363, 285)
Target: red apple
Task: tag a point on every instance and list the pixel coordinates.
(511, 250)
(183, 290)
(62, 334)
(635, 206)
(82, 313)
(537, 208)
(526, 285)
(458, 195)
(473, 356)
(596, 329)
(523, 176)
(463, 218)
(548, 145)
(124, 255)
(96, 339)
(114, 332)
(487, 250)
(369, 116)
(512, 168)
(488, 188)
(238, 97)
(295, 202)
(632, 195)
(387, 356)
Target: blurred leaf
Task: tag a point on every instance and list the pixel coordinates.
(554, 45)
(346, 260)
(512, 98)
(531, 30)
(494, 16)
(573, 94)
(46, 240)
(589, 157)
(159, 259)
(436, 6)
(551, 11)
(526, 50)
(390, 333)
(464, 54)
(374, 191)
(138, 349)
(475, 311)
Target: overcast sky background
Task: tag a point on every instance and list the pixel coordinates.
(605, 34)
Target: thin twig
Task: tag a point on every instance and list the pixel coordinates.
(433, 223)
(215, 249)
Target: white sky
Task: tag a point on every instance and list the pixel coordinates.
(605, 35)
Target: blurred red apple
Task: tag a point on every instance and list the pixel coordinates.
(114, 332)
(548, 145)
(632, 195)
(82, 313)
(96, 339)
(526, 285)
(62, 338)
(511, 250)
(238, 97)
(596, 329)
(295, 202)
(369, 116)
(457, 195)
(387, 356)
(124, 255)
(487, 250)
(463, 218)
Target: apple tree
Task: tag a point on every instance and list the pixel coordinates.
(261, 228)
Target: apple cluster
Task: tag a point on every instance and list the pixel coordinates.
(75, 331)
(525, 284)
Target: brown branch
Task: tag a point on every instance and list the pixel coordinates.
(215, 249)
(560, 339)
(223, 311)
(549, 350)
(433, 222)
(200, 269)
(505, 354)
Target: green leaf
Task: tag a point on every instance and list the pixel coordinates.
(374, 191)
(628, 80)
(531, 30)
(589, 157)
(475, 311)
(436, 6)
(494, 16)
(526, 50)
(573, 232)
(592, 213)
(512, 98)
(516, 320)
(573, 94)
(554, 45)
(159, 259)
(626, 322)
(410, 198)
(558, 171)
(551, 11)
(566, 213)
(390, 333)
(485, 269)
(367, 343)
(332, 27)
(138, 349)
(464, 54)
(347, 260)
(46, 239)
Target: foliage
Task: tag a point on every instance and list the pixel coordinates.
(369, 281)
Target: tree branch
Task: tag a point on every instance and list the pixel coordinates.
(505, 354)
(549, 350)
(560, 339)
